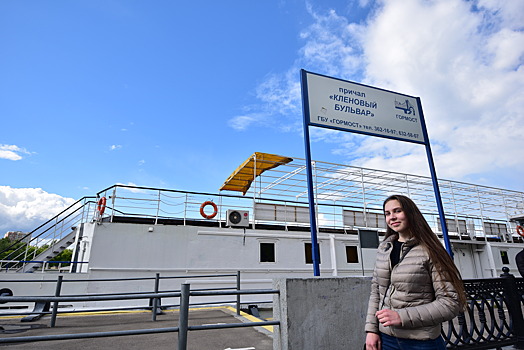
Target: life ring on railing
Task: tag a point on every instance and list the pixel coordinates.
(101, 207)
(205, 204)
(520, 230)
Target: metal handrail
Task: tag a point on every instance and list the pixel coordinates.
(50, 231)
(30, 234)
(105, 297)
(182, 329)
(186, 204)
(41, 301)
(123, 279)
(333, 219)
(493, 317)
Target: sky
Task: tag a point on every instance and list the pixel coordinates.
(177, 94)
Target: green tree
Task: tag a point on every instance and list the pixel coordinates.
(6, 250)
(66, 255)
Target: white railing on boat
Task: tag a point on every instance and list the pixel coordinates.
(347, 198)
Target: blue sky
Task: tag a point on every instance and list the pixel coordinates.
(177, 94)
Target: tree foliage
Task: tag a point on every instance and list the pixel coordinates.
(21, 251)
(5, 244)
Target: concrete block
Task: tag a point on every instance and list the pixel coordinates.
(320, 313)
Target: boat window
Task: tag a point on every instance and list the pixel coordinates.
(284, 213)
(504, 257)
(453, 225)
(267, 252)
(493, 228)
(361, 219)
(351, 254)
(309, 253)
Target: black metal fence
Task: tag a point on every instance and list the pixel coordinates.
(493, 318)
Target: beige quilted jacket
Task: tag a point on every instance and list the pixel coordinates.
(417, 292)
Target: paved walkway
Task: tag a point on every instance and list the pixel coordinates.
(222, 339)
(245, 338)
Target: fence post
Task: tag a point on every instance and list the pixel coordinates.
(55, 304)
(155, 300)
(238, 295)
(183, 317)
(514, 306)
(157, 208)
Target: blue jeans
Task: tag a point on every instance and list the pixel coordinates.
(393, 343)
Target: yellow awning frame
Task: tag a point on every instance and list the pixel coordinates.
(240, 180)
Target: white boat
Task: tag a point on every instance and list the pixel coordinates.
(258, 224)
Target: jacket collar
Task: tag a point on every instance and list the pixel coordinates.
(409, 243)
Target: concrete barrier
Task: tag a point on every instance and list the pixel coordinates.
(320, 313)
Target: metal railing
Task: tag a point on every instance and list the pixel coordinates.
(493, 318)
(43, 303)
(48, 234)
(183, 322)
(343, 212)
(476, 212)
(347, 198)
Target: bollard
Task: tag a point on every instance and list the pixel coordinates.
(155, 300)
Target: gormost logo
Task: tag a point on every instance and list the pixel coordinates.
(405, 106)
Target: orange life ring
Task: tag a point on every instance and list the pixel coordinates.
(205, 204)
(101, 206)
(520, 230)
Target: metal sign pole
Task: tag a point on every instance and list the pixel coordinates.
(343, 105)
(311, 196)
(436, 189)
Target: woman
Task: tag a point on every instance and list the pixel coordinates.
(415, 287)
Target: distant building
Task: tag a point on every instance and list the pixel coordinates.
(16, 235)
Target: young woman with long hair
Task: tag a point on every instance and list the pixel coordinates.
(415, 286)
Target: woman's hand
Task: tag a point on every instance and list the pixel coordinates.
(388, 317)
(373, 341)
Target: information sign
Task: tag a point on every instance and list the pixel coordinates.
(343, 105)
(348, 106)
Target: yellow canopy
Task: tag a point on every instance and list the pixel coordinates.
(241, 179)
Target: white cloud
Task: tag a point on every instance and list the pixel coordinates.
(24, 209)
(242, 122)
(467, 67)
(12, 152)
(280, 103)
(463, 58)
(507, 47)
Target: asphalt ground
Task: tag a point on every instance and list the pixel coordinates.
(245, 338)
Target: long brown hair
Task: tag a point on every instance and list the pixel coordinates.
(422, 234)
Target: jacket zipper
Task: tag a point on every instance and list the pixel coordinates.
(388, 289)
